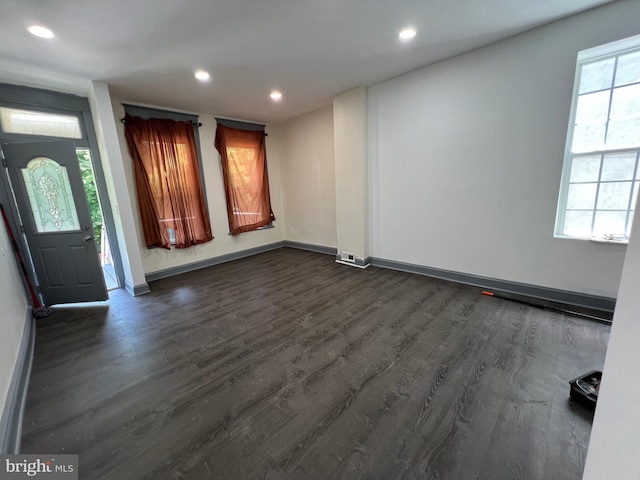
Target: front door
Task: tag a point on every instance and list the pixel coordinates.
(55, 216)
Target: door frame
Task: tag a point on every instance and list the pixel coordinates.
(46, 101)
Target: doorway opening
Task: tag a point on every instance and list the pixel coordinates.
(69, 263)
(50, 198)
(97, 220)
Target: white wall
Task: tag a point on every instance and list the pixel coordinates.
(13, 313)
(615, 442)
(115, 178)
(466, 158)
(304, 146)
(352, 177)
(159, 259)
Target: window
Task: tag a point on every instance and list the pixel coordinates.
(246, 183)
(50, 198)
(29, 122)
(168, 181)
(601, 175)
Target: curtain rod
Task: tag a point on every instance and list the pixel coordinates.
(124, 120)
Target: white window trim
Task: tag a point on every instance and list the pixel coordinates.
(601, 52)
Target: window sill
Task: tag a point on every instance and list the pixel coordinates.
(266, 227)
(614, 241)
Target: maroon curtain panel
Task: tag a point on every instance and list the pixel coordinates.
(168, 182)
(246, 182)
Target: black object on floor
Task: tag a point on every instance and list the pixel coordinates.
(585, 388)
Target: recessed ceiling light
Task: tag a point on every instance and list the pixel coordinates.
(202, 75)
(407, 33)
(275, 95)
(40, 31)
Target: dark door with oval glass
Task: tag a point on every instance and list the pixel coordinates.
(53, 207)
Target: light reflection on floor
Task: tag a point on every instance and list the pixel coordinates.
(110, 277)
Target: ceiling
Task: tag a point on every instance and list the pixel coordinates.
(310, 50)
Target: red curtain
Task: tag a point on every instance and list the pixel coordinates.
(246, 183)
(168, 181)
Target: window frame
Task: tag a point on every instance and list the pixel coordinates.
(585, 57)
(250, 126)
(78, 123)
(152, 112)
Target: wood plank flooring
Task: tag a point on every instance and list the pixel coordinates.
(287, 365)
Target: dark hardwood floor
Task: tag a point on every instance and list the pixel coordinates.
(287, 365)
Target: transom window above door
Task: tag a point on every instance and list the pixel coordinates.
(30, 122)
